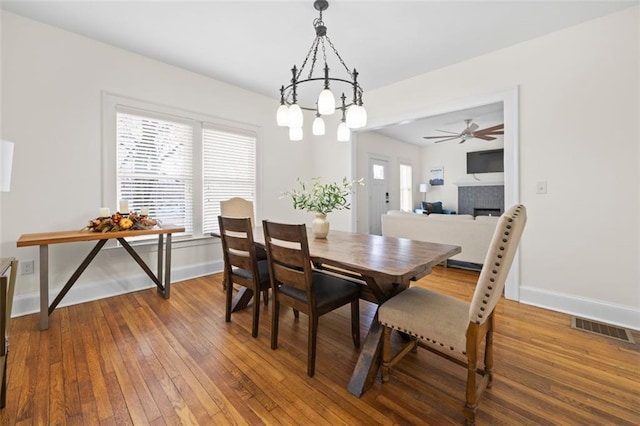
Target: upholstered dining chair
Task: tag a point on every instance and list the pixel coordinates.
(7, 289)
(242, 266)
(237, 207)
(450, 327)
(295, 283)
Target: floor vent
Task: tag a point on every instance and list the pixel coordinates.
(602, 329)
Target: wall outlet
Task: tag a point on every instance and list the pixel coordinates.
(26, 267)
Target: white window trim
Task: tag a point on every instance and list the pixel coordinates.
(112, 102)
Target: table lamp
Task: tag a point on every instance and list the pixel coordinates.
(424, 188)
(6, 159)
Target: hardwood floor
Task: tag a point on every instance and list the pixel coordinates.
(140, 359)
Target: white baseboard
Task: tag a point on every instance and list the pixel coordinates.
(620, 315)
(25, 304)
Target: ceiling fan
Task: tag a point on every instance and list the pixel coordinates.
(471, 131)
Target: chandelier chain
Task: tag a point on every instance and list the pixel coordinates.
(338, 55)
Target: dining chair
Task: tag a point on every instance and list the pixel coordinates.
(450, 327)
(242, 266)
(295, 283)
(7, 290)
(239, 207)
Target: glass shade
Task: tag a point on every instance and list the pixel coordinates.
(295, 116)
(344, 134)
(326, 102)
(295, 133)
(282, 116)
(318, 126)
(356, 117)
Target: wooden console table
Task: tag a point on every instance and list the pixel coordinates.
(44, 239)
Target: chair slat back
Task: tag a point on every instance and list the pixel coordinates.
(288, 254)
(238, 248)
(497, 263)
(237, 207)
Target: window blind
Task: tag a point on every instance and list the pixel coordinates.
(229, 170)
(154, 167)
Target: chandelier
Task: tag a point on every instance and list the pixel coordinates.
(290, 114)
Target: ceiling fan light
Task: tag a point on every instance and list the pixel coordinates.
(296, 118)
(282, 115)
(295, 133)
(326, 102)
(344, 134)
(318, 126)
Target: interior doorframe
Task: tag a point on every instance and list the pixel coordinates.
(509, 98)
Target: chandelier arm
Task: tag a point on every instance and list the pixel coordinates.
(315, 57)
(299, 82)
(338, 55)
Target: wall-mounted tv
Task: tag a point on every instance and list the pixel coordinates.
(489, 161)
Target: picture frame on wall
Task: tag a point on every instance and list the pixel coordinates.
(436, 177)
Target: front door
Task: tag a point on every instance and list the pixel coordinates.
(378, 193)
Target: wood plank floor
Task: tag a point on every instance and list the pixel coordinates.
(140, 359)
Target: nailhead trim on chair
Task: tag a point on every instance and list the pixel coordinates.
(421, 337)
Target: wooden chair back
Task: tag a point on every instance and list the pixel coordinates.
(289, 261)
(238, 247)
(7, 289)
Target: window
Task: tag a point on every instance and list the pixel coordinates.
(176, 163)
(378, 172)
(229, 171)
(154, 167)
(406, 193)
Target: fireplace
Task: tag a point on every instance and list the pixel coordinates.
(486, 212)
(481, 200)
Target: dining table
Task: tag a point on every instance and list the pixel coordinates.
(44, 239)
(383, 267)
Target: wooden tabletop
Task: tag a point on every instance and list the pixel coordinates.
(388, 258)
(44, 238)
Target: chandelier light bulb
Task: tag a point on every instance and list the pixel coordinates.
(295, 133)
(282, 116)
(344, 134)
(318, 126)
(352, 116)
(326, 102)
(295, 116)
(363, 116)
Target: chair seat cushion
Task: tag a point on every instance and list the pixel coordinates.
(437, 318)
(327, 288)
(263, 273)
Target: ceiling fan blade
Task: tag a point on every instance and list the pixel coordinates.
(495, 132)
(449, 139)
(483, 137)
(446, 131)
(492, 128)
(438, 137)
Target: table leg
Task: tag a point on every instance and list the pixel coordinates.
(242, 299)
(364, 374)
(167, 266)
(44, 287)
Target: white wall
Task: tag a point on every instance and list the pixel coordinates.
(52, 82)
(578, 122)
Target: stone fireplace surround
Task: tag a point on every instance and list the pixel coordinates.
(481, 200)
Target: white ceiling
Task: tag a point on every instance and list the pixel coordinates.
(253, 44)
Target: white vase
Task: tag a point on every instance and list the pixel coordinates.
(320, 226)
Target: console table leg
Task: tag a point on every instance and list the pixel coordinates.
(44, 287)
